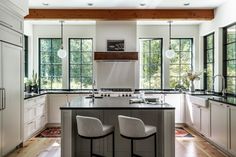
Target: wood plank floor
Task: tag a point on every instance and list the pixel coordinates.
(185, 147)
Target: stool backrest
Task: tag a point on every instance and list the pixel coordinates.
(89, 126)
(131, 127)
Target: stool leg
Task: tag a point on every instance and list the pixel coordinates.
(155, 144)
(113, 144)
(91, 148)
(132, 148)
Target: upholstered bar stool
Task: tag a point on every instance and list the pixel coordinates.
(92, 128)
(134, 129)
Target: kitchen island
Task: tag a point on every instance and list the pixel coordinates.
(107, 109)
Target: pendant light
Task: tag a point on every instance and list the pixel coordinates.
(170, 53)
(61, 52)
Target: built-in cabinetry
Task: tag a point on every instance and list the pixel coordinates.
(11, 78)
(35, 115)
(197, 116)
(56, 101)
(232, 130)
(176, 100)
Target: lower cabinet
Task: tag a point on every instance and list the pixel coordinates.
(35, 115)
(232, 118)
(219, 124)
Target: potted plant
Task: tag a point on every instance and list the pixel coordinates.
(28, 85)
(192, 76)
(35, 82)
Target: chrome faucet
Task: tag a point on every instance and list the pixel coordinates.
(223, 83)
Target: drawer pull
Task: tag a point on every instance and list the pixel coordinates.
(6, 24)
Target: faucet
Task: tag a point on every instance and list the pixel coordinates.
(223, 83)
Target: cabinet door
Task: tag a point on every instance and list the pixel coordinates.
(219, 119)
(11, 80)
(55, 102)
(205, 121)
(196, 110)
(188, 111)
(232, 118)
(175, 100)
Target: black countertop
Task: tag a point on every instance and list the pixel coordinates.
(113, 103)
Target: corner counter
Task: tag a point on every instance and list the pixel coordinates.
(107, 110)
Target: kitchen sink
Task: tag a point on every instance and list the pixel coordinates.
(202, 100)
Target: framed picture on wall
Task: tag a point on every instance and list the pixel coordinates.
(115, 45)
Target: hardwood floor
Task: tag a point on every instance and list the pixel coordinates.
(185, 147)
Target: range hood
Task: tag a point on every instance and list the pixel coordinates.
(115, 56)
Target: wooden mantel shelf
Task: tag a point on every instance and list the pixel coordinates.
(103, 56)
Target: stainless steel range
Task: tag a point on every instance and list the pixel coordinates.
(116, 92)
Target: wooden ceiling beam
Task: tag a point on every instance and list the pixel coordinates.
(122, 14)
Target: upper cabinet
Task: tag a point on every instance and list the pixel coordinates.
(19, 6)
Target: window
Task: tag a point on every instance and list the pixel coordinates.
(80, 63)
(26, 50)
(229, 58)
(181, 62)
(209, 62)
(50, 65)
(151, 63)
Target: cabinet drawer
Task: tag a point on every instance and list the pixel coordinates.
(40, 109)
(29, 129)
(29, 114)
(41, 122)
(9, 20)
(11, 36)
(40, 100)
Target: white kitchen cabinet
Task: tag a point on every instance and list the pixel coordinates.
(196, 111)
(205, 121)
(188, 111)
(177, 101)
(232, 123)
(20, 7)
(11, 81)
(35, 115)
(56, 101)
(219, 123)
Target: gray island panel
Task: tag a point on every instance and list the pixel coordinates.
(107, 110)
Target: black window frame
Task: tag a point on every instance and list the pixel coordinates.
(39, 65)
(69, 65)
(26, 55)
(225, 61)
(161, 63)
(206, 60)
(191, 68)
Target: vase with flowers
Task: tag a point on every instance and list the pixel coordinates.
(192, 76)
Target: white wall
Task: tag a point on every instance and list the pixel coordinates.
(116, 74)
(178, 31)
(28, 30)
(224, 15)
(53, 31)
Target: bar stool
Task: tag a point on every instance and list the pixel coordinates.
(134, 129)
(92, 128)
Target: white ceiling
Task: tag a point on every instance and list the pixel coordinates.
(125, 4)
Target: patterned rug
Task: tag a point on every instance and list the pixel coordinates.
(51, 132)
(181, 132)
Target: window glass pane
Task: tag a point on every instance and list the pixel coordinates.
(175, 44)
(175, 59)
(81, 63)
(231, 34)
(150, 67)
(231, 84)
(231, 68)
(186, 45)
(210, 70)
(45, 70)
(186, 57)
(184, 69)
(210, 84)
(174, 70)
(210, 43)
(45, 45)
(87, 45)
(57, 83)
(174, 81)
(75, 45)
(45, 83)
(210, 56)
(231, 51)
(56, 45)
